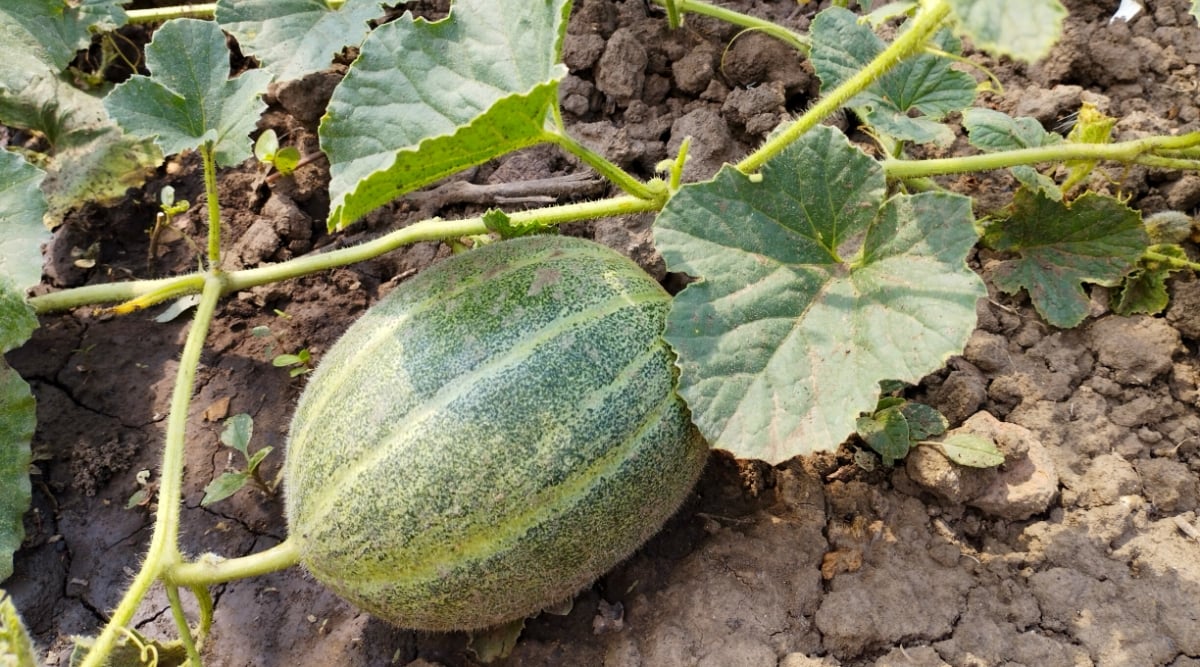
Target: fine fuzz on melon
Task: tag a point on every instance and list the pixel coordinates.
(491, 437)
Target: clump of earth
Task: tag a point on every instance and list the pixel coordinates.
(1082, 549)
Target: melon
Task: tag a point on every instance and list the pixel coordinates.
(491, 437)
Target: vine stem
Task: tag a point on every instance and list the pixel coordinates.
(208, 156)
(1137, 150)
(209, 569)
(157, 14)
(432, 229)
(164, 543)
(924, 24)
(1174, 262)
(797, 41)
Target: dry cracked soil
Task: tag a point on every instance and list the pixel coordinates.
(1081, 550)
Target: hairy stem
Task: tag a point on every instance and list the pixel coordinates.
(794, 39)
(164, 543)
(209, 569)
(433, 229)
(607, 169)
(181, 622)
(1137, 150)
(157, 14)
(926, 22)
(208, 155)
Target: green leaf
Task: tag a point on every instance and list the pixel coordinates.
(391, 127)
(55, 29)
(782, 342)
(1022, 29)
(16, 648)
(292, 38)
(1096, 239)
(224, 486)
(908, 101)
(887, 433)
(265, 146)
(286, 160)
(969, 449)
(1145, 289)
(90, 159)
(923, 420)
(17, 422)
(237, 432)
(257, 458)
(992, 131)
(22, 206)
(189, 98)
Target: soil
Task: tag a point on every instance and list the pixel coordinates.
(1080, 550)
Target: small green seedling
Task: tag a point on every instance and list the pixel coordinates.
(238, 431)
(299, 363)
(168, 210)
(269, 154)
(898, 425)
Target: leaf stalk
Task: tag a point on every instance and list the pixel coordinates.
(794, 39)
(912, 41)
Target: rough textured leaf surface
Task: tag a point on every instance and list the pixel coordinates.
(908, 101)
(17, 421)
(497, 71)
(1023, 29)
(1096, 239)
(811, 289)
(1145, 288)
(293, 38)
(15, 645)
(189, 98)
(992, 131)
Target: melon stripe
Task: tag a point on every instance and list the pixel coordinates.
(455, 387)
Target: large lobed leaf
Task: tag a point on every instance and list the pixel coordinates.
(189, 99)
(89, 158)
(427, 99)
(1022, 29)
(812, 288)
(1095, 239)
(908, 101)
(292, 38)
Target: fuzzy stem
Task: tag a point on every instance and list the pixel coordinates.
(797, 41)
(607, 169)
(1173, 262)
(208, 155)
(209, 570)
(181, 622)
(433, 229)
(926, 22)
(1125, 151)
(164, 543)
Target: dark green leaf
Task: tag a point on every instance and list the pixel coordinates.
(392, 128)
(1145, 289)
(189, 98)
(812, 289)
(923, 421)
(293, 38)
(969, 449)
(1096, 239)
(224, 486)
(908, 101)
(887, 432)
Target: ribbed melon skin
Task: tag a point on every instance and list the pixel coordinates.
(491, 437)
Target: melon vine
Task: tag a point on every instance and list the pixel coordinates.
(818, 266)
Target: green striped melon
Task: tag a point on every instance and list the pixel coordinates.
(491, 437)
